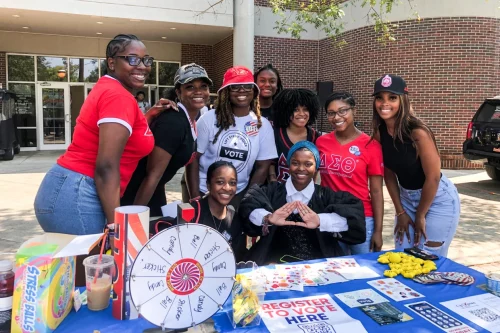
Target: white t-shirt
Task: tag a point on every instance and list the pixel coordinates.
(242, 145)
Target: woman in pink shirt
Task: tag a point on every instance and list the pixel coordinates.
(352, 162)
(78, 195)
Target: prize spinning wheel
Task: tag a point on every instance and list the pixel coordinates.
(182, 276)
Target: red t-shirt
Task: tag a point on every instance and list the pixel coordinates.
(347, 167)
(108, 102)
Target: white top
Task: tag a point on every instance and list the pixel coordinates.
(328, 222)
(242, 144)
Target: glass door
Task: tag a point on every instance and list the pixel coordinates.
(53, 101)
(88, 88)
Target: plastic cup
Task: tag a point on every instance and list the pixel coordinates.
(99, 276)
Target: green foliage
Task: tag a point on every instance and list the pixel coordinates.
(327, 16)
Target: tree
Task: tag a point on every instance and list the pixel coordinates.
(326, 16)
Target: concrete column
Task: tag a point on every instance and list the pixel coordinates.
(243, 35)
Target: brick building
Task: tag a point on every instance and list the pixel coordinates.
(450, 58)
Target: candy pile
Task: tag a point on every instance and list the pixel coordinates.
(246, 304)
(406, 265)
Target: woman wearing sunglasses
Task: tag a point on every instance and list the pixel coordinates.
(79, 194)
(352, 162)
(233, 132)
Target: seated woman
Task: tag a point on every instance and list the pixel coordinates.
(214, 209)
(299, 218)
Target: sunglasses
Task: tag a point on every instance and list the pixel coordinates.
(135, 60)
(237, 87)
(340, 112)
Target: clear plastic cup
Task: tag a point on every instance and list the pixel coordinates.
(99, 276)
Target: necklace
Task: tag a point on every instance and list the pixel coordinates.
(213, 219)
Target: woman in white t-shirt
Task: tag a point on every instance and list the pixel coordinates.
(235, 132)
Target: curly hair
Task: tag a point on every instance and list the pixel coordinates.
(287, 101)
(118, 44)
(224, 112)
(269, 67)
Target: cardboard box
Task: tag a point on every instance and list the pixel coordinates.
(131, 234)
(45, 280)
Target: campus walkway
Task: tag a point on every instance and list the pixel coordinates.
(476, 243)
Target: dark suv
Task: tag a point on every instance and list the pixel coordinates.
(483, 137)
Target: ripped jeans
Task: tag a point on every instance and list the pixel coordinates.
(441, 220)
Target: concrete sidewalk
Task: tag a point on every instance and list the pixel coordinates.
(475, 244)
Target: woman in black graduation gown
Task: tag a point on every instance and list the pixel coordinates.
(298, 218)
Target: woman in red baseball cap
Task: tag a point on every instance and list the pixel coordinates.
(235, 132)
(426, 202)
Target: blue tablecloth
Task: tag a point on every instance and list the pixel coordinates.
(85, 321)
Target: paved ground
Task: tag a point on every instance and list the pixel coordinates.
(475, 244)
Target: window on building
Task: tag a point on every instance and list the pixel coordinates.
(152, 75)
(84, 70)
(52, 69)
(166, 73)
(21, 68)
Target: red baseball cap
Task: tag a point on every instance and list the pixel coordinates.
(238, 75)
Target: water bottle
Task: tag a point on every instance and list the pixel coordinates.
(6, 292)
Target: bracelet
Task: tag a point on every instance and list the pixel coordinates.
(265, 225)
(110, 227)
(194, 199)
(400, 213)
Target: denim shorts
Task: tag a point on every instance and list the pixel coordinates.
(67, 203)
(441, 220)
(363, 247)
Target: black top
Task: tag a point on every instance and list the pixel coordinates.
(283, 145)
(401, 158)
(229, 227)
(267, 113)
(172, 133)
(295, 241)
(320, 244)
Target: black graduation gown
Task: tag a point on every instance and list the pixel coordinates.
(324, 200)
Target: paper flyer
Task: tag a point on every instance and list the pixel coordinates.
(394, 289)
(439, 318)
(483, 310)
(362, 297)
(311, 314)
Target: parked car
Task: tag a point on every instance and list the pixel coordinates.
(9, 138)
(483, 137)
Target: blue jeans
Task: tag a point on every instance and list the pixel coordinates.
(364, 247)
(441, 220)
(67, 203)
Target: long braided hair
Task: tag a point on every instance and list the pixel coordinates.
(118, 44)
(224, 111)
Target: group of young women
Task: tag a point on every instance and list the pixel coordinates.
(252, 163)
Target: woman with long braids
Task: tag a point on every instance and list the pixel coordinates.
(426, 202)
(268, 81)
(295, 111)
(234, 132)
(78, 195)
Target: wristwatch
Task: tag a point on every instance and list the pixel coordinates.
(266, 224)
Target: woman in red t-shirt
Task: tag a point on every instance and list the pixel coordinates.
(352, 162)
(78, 195)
